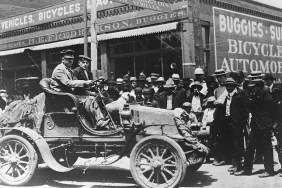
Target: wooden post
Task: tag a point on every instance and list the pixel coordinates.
(94, 38)
(85, 27)
(43, 64)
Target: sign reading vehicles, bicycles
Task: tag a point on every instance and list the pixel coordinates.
(148, 4)
(247, 43)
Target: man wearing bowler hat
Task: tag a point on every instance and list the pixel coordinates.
(269, 82)
(81, 72)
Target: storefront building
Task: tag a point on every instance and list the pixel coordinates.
(235, 35)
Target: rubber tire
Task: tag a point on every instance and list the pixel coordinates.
(34, 160)
(168, 141)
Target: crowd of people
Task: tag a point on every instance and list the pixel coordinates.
(242, 112)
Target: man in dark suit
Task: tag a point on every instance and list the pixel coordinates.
(81, 72)
(264, 118)
(236, 114)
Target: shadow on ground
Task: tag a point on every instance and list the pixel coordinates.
(198, 179)
(103, 177)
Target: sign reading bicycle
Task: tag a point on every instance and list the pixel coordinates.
(247, 43)
(148, 4)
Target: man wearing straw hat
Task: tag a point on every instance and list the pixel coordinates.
(236, 115)
(166, 99)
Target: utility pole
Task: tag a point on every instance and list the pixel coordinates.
(85, 28)
(94, 38)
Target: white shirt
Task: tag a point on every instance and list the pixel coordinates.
(169, 102)
(220, 94)
(228, 102)
(204, 90)
(196, 104)
(208, 116)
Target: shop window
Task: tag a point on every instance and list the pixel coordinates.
(124, 65)
(150, 53)
(170, 40)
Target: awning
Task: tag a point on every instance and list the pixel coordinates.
(101, 37)
(139, 31)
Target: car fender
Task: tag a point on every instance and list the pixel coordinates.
(43, 148)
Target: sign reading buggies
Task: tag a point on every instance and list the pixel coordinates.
(247, 43)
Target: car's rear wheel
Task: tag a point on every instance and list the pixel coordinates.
(158, 161)
(18, 160)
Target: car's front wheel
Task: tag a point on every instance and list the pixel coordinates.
(158, 161)
(18, 160)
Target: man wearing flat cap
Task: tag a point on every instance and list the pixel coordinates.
(81, 72)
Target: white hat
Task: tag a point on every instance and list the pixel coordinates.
(175, 77)
(198, 71)
(119, 81)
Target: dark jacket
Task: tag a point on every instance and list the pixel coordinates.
(238, 108)
(264, 111)
(162, 100)
(80, 75)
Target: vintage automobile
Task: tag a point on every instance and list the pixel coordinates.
(158, 154)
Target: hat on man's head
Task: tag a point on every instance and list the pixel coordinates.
(161, 79)
(198, 71)
(219, 72)
(142, 77)
(255, 82)
(169, 83)
(196, 84)
(186, 104)
(154, 75)
(132, 79)
(67, 52)
(230, 81)
(3, 91)
(175, 77)
(269, 77)
(84, 58)
(119, 81)
(255, 74)
(241, 74)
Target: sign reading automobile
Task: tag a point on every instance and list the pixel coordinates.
(247, 43)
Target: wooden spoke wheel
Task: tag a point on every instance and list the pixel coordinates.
(158, 161)
(18, 160)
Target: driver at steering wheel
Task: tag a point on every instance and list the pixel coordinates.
(63, 80)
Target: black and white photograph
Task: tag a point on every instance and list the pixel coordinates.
(141, 93)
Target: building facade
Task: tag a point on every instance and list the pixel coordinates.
(234, 35)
